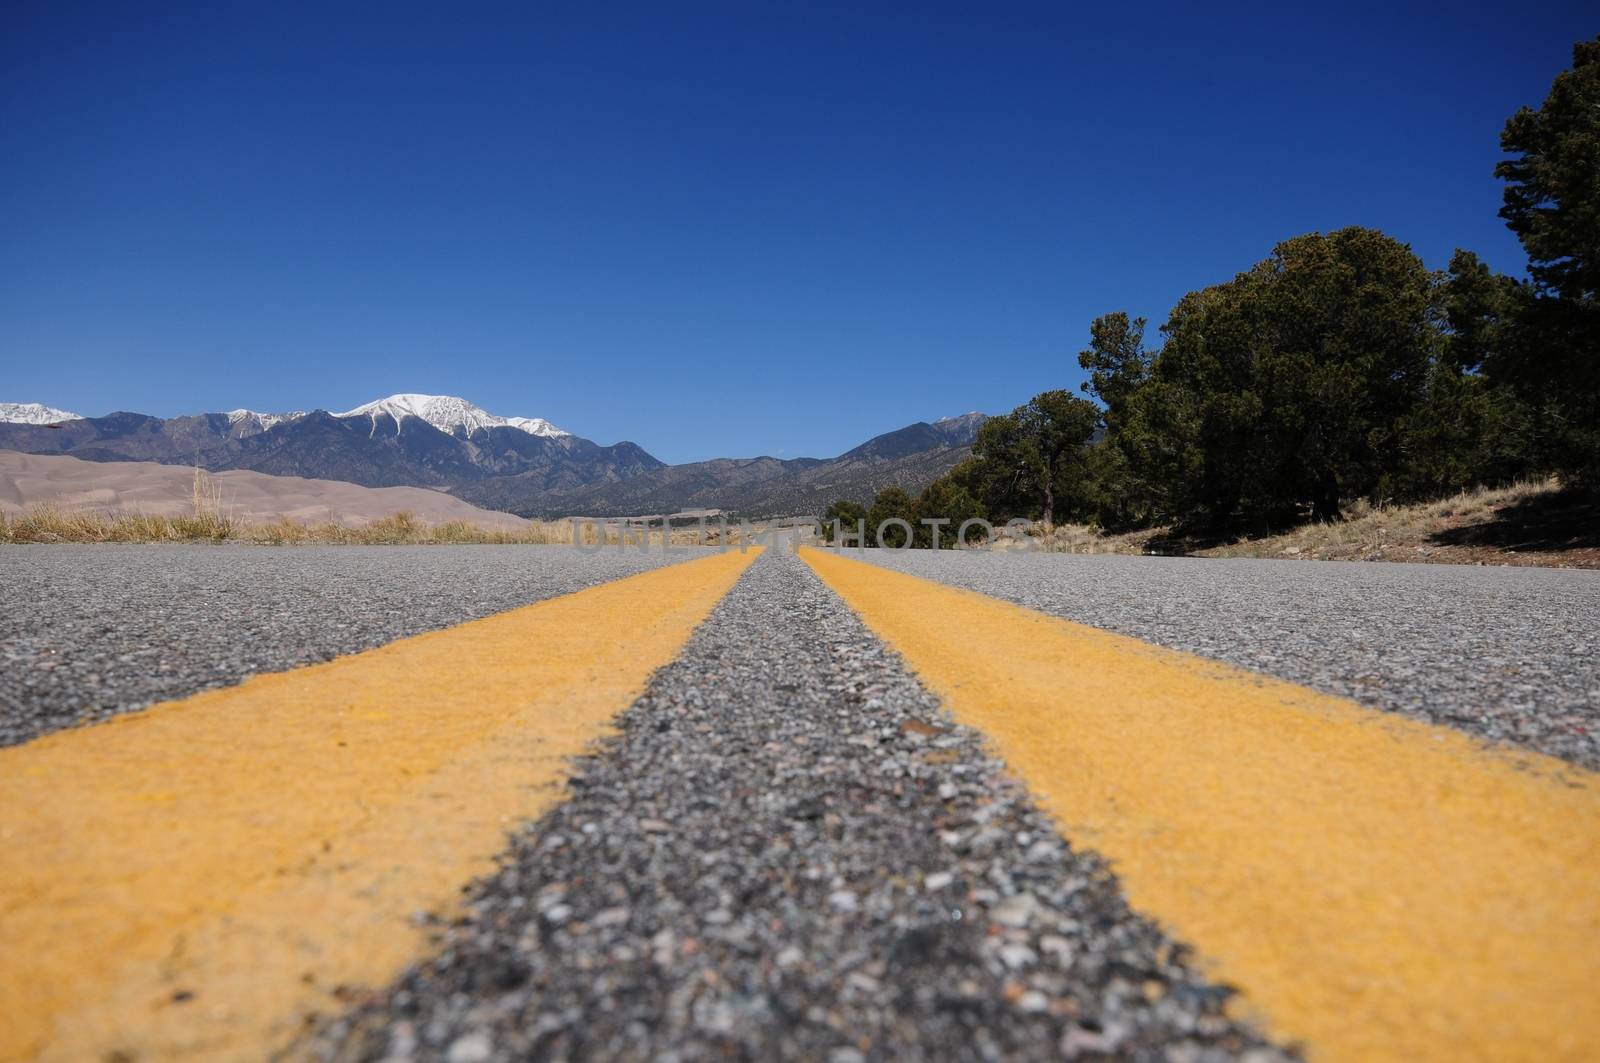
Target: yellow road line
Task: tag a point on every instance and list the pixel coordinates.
(1378, 888)
(198, 879)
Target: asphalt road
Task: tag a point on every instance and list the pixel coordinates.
(1507, 654)
(790, 849)
(90, 631)
(791, 852)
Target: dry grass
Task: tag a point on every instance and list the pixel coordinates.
(1526, 524)
(1078, 539)
(210, 522)
(401, 529)
(46, 524)
(1407, 533)
(1533, 523)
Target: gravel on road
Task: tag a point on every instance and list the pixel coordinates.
(87, 632)
(790, 851)
(1507, 654)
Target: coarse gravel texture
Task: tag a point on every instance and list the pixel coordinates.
(87, 632)
(791, 852)
(1507, 654)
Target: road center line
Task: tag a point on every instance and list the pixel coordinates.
(200, 878)
(1378, 888)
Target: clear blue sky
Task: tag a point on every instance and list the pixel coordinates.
(714, 229)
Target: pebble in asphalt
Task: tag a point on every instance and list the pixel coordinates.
(1507, 654)
(790, 851)
(90, 631)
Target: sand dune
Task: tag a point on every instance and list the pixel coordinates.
(249, 497)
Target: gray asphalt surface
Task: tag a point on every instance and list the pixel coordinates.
(90, 631)
(791, 852)
(1508, 654)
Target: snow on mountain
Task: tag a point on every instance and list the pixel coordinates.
(448, 413)
(962, 429)
(536, 426)
(262, 421)
(34, 413)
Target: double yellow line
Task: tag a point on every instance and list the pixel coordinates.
(1378, 888)
(201, 879)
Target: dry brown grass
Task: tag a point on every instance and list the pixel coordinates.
(1403, 533)
(206, 501)
(401, 529)
(1532, 523)
(1078, 539)
(46, 524)
(209, 523)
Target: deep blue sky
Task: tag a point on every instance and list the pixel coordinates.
(711, 229)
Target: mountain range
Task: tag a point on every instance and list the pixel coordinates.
(909, 457)
(34, 413)
(523, 465)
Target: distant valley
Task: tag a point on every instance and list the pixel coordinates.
(522, 465)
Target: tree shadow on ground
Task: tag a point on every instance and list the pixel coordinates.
(1183, 539)
(1563, 520)
(1169, 544)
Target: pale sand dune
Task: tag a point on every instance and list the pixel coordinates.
(248, 497)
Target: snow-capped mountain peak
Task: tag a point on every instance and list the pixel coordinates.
(536, 426)
(262, 421)
(449, 414)
(34, 413)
